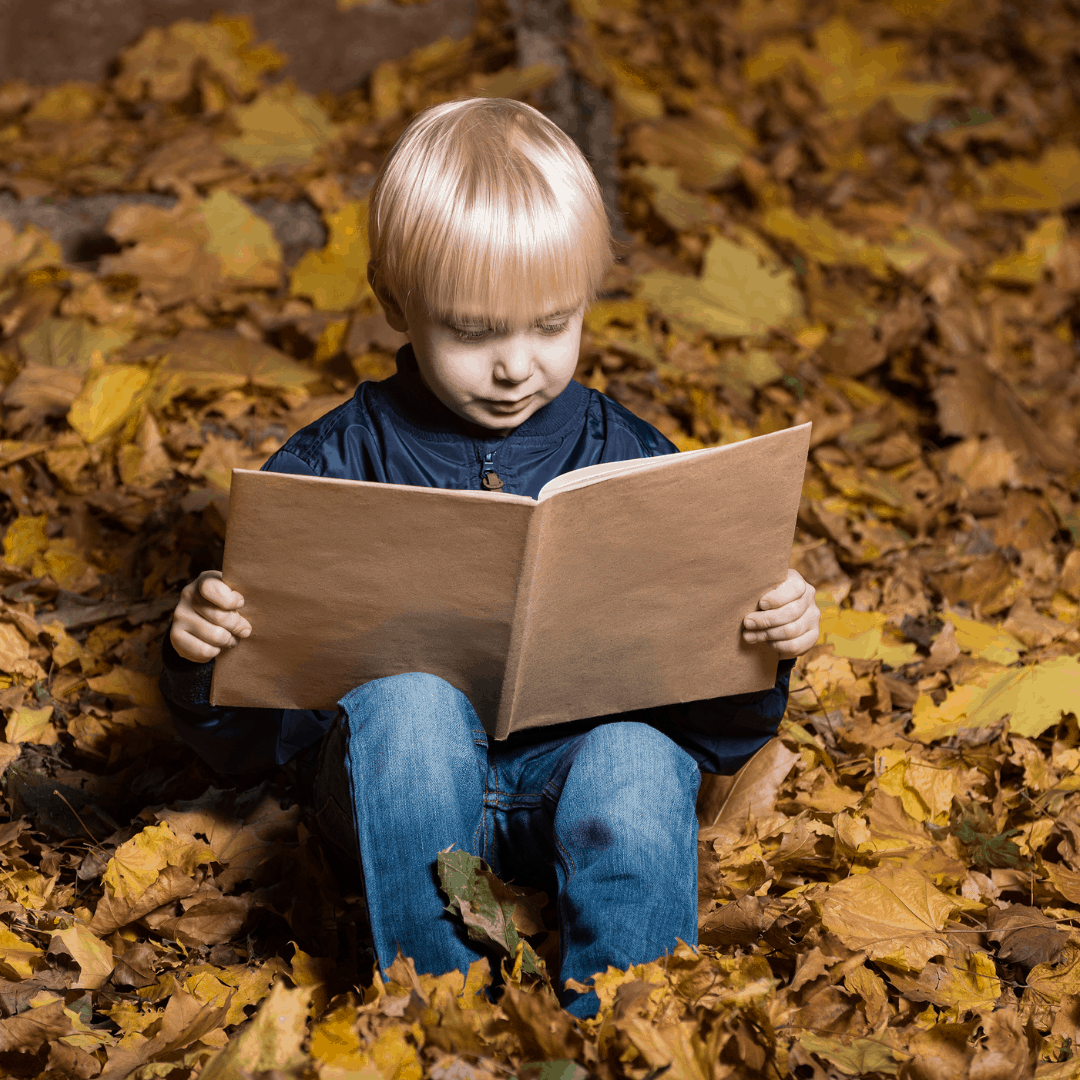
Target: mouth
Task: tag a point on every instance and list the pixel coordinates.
(507, 406)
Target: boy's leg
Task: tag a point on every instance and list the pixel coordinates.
(415, 757)
(625, 853)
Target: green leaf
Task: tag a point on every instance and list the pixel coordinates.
(486, 905)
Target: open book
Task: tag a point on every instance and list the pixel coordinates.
(622, 586)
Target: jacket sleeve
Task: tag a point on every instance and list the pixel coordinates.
(236, 740)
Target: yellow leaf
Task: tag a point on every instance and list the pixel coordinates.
(705, 149)
(13, 647)
(243, 242)
(271, 1040)
(335, 1042)
(1051, 183)
(931, 722)
(110, 395)
(335, 278)
(25, 538)
(67, 103)
(280, 127)
(926, 791)
(32, 726)
(16, 956)
(205, 362)
(849, 75)
(1034, 698)
(735, 296)
(914, 245)
(861, 635)
(63, 562)
(680, 208)
(164, 62)
(136, 864)
(8, 754)
(986, 642)
(819, 239)
(31, 248)
(513, 82)
(311, 972)
(965, 980)
(94, 956)
(891, 912)
(855, 1056)
(69, 343)
(133, 686)
(1041, 246)
(632, 90)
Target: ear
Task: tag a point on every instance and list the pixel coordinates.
(391, 309)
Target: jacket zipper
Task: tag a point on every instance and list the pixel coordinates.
(489, 479)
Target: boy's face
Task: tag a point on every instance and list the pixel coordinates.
(495, 377)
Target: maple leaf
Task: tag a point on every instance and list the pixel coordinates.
(736, 294)
(489, 908)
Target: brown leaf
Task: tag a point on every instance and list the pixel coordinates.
(752, 791)
(1024, 935)
(741, 922)
(137, 967)
(976, 401)
(113, 912)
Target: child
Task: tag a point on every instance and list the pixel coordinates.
(488, 239)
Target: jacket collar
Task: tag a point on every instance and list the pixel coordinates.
(420, 410)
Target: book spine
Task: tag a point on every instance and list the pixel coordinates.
(236, 486)
(519, 627)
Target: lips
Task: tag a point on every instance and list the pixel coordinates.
(507, 404)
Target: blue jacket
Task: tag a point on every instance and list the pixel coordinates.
(397, 432)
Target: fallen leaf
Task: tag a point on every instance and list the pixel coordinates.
(891, 912)
(736, 294)
(1024, 935)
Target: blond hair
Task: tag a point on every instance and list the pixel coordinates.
(485, 207)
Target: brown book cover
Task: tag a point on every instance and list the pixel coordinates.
(622, 586)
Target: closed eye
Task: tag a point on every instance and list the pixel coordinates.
(549, 328)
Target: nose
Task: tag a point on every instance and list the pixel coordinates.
(514, 361)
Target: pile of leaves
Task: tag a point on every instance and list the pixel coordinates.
(859, 214)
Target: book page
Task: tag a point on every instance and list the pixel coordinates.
(345, 581)
(593, 474)
(643, 581)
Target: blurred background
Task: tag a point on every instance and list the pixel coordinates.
(861, 213)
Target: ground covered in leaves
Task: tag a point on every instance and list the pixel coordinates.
(860, 214)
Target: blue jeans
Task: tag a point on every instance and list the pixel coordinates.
(601, 814)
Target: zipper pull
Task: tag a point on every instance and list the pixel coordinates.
(489, 479)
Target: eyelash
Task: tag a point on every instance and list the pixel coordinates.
(550, 329)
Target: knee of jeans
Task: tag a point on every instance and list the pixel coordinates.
(638, 773)
(414, 710)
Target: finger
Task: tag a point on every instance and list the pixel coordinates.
(789, 630)
(212, 588)
(790, 589)
(761, 620)
(191, 648)
(232, 621)
(795, 647)
(209, 632)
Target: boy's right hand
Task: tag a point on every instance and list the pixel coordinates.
(207, 618)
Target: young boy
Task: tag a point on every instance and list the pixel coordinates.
(488, 239)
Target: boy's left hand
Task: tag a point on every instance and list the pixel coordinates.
(787, 617)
